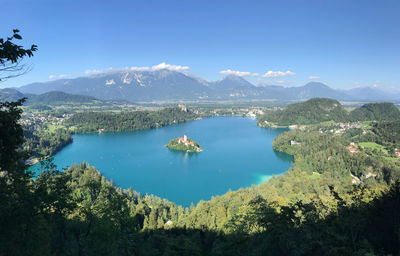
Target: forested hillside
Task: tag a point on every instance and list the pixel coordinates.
(309, 112)
(55, 97)
(10, 95)
(93, 217)
(126, 121)
(375, 111)
(319, 110)
(44, 143)
(48, 98)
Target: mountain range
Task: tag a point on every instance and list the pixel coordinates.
(167, 85)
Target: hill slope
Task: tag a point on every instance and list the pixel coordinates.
(376, 111)
(48, 98)
(10, 94)
(321, 109)
(309, 112)
(56, 97)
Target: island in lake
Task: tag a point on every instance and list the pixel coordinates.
(185, 144)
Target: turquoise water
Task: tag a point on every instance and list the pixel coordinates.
(237, 153)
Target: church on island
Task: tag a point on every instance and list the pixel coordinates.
(185, 144)
(185, 141)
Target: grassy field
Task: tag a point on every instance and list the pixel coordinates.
(366, 125)
(314, 176)
(53, 127)
(371, 145)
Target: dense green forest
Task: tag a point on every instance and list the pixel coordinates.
(79, 212)
(313, 209)
(43, 143)
(375, 111)
(319, 150)
(319, 110)
(387, 133)
(134, 120)
(308, 112)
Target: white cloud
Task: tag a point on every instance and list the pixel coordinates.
(234, 72)
(282, 83)
(313, 77)
(164, 65)
(140, 68)
(255, 74)
(278, 73)
(58, 76)
(92, 71)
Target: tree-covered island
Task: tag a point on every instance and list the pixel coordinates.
(185, 144)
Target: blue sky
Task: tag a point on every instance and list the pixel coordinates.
(341, 43)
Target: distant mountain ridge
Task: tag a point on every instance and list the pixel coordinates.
(49, 98)
(10, 94)
(167, 85)
(372, 94)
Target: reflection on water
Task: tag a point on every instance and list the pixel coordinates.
(186, 155)
(283, 156)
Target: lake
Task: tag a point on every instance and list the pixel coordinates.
(237, 153)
